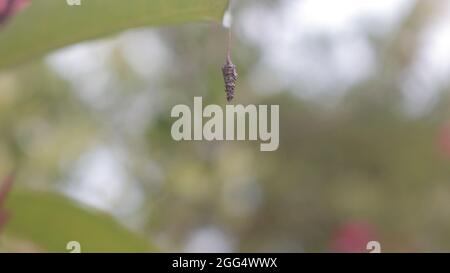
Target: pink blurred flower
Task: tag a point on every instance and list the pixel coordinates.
(353, 237)
(10, 7)
(443, 139)
(5, 188)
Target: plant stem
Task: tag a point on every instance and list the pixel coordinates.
(229, 46)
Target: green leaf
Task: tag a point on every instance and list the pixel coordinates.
(50, 221)
(50, 24)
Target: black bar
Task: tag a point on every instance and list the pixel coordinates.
(165, 262)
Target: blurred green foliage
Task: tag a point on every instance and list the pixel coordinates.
(48, 221)
(49, 24)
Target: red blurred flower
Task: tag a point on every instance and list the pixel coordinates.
(353, 236)
(10, 7)
(5, 187)
(443, 139)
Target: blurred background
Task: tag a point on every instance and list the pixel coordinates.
(364, 95)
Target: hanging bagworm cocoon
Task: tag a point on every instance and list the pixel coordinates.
(229, 72)
(230, 76)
